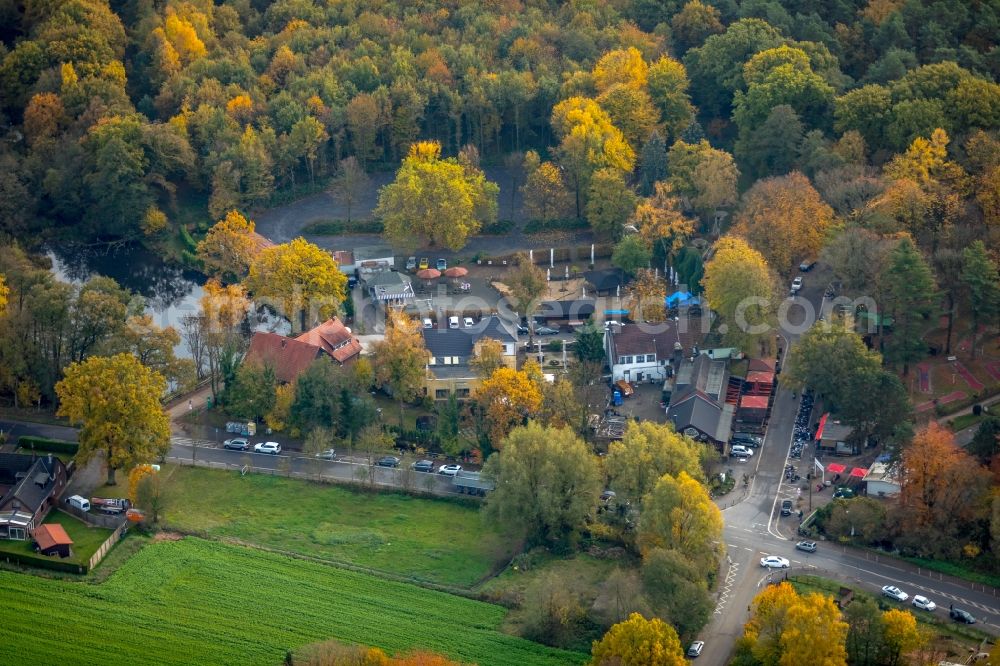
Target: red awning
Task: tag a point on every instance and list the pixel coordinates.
(835, 468)
(859, 472)
(822, 424)
(753, 402)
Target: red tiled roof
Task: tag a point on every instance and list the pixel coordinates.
(288, 357)
(760, 365)
(760, 377)
(753, 402)
(50, 535)
(334, 338)
(343, 257)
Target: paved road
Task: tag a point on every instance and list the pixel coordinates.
(183, 450)
(754, 528)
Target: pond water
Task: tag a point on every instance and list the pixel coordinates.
(171, 292)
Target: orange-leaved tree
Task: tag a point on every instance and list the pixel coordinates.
(507, 398)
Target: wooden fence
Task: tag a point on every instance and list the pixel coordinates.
(99, 554)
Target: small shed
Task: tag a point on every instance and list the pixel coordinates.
(834, 437)
(52, 539)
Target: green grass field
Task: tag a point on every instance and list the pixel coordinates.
(196, 601)
(86, 539)
(433, 540)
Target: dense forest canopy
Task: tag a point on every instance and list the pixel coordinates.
(118, 116)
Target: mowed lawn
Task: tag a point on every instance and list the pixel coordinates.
(205, 602)
(432, 540)
(86, 539)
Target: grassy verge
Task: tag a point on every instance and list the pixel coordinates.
(437, 541)
(937, 621)
(965, 420)
(212, 603)
(952, 569)
(86, 539)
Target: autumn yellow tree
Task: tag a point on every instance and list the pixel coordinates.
(785, 219)
(298, 279)
(638, 642)
(4, 293)
(660, 221)
(620, 67)
(632, 111)
(900, 636)
(401, 359)
(545, 194)
(435, 201)
(138, 473)
(527, 284)
(506, 399)
(740, 288)
(678, 514)
(647, 451)
(229, 247)
(116, 402)
(783, 628)
(487, 357)
(589, 141)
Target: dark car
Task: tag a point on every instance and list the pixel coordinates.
(423, 466)
(746, 439)
(963, 616)
(237, 444)
(387, 461)
(546, 330)
(522, 329)
(786, 507)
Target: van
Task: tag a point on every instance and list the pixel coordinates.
(452, 322)
(77, 502)
(428, 323)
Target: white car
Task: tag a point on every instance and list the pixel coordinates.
(329, 454)
(923, 603)
(740, 450)
(774, 562)
(267, 447)
(449, 470)
(696, 648)
(894, 592)
(796, 284)
(469, 323)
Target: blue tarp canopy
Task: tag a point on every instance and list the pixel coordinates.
(682, 298)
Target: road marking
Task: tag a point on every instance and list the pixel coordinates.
(727, 586)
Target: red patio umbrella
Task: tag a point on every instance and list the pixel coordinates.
(429, 274)
(835, 468)
(457, 272)
(859, 472)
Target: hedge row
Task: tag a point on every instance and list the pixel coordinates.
(41, 562)
(46, 444)
(339, 227)
(979, 396)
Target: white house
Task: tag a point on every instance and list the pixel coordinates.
(881, 481)
(643, 352)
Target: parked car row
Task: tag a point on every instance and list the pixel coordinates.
(243, 444)
(923, 603)
(413, 265)
(274, 448)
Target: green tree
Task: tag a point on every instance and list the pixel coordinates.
(631, 110)
(547, 483)
(983, 284)
(909, 295)
(771, 148)
(646, 452)
(668, 87)
(826, 359)
(985, 444)
(677, 589)
(449, 426)
(693, 24)
(652, 162)
(864, 631)
(865, 110)
(116, 402)
(610, 201)
(251, 394)
(435, 200)
(316, 390)
(639, 642)
(545, 194)
(631, 254)
(782, 75)
(705, 175)
(589, 343)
